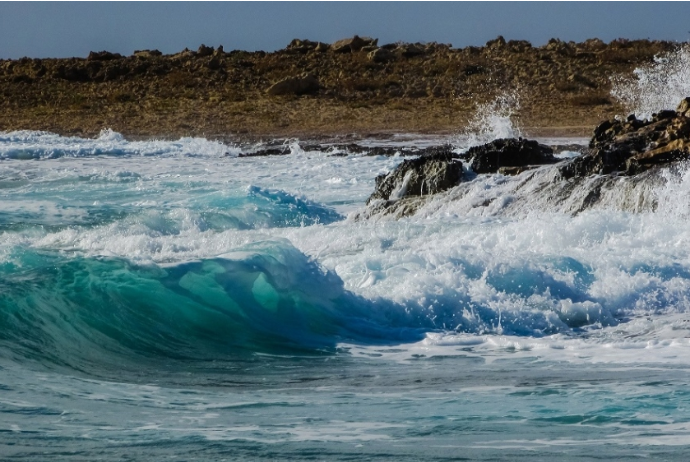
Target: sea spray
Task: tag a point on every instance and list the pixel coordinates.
(657, 86)
(492, 120)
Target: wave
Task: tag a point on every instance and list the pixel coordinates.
(96, 313)
(27, 144)
(93, 312)
(252, 207)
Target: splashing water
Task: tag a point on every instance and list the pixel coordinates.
(493, 120)
(658, 86)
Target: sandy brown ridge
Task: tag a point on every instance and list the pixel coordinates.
(431, 88)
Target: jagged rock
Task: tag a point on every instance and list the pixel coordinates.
(147, 53)
(306, 83)
(508, 152)
(103, 56)
(381, 55)
(632, 145)
(204, 51)
(219, 52)
(353, 44)
(498, 42)
(425, 175)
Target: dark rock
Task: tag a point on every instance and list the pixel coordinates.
(428, 174)
(508, 152)
(632, 145)
(103, 56)
(304, 84)
(204, 51)
(147, 53)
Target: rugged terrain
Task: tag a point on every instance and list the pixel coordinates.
(352, 86)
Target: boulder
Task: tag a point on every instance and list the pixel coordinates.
(508, 152)
(103, 56)
(306, 83)
(429, 174)
(632, 145)
(353, 44)
(299, 46)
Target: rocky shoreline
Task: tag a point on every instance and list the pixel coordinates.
(619, 149)
(353, 88)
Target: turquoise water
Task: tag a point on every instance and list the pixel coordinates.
(171, 301)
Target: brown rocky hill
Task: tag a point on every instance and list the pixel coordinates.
(311, 88)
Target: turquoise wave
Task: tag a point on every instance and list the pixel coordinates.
(266, 298)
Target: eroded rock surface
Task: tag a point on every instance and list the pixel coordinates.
(631, 146)
(508, 152)
(425, 175)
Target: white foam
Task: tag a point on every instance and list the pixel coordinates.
(27, 144)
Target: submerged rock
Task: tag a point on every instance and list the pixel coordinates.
(508, 152)
(631, 146)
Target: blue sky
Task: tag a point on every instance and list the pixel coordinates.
(74, 29)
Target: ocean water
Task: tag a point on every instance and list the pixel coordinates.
(171, 300)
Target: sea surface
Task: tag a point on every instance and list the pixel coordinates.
(172, 300)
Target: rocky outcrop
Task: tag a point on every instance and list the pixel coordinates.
(204, 51)
(632, 145)
(508, 152)
(402, 191)
(304, 84)
(428, 174)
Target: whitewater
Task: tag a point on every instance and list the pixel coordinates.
(176, 300)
